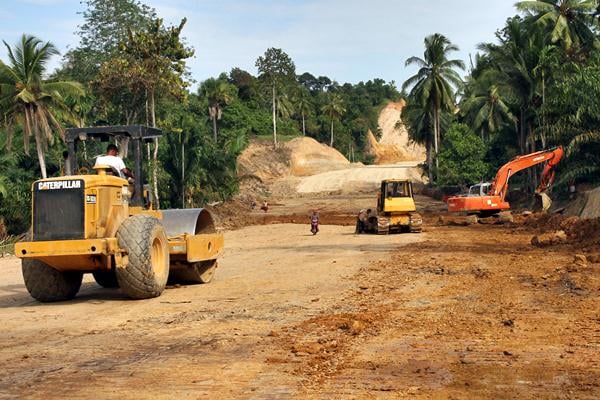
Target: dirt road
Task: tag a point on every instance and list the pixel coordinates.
(192, 340)
(456, 312)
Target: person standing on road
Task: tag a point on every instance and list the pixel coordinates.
(314, 222)
(362, 219)
(265, 206)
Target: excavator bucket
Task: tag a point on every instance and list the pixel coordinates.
(543, 202)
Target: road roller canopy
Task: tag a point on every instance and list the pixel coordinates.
(136, 135)
(106, 133)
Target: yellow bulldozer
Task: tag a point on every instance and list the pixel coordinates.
(104, 225)
(396, 209)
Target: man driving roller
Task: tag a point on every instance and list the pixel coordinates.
(113, 160)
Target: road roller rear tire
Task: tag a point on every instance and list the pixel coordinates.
(145, 241)
(106, 279)
(198, 272)
(47, 284)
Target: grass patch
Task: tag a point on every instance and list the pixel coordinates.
(7, 245)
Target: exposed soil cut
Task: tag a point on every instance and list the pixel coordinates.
(395, 144)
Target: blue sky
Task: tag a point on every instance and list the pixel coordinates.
(349, 41)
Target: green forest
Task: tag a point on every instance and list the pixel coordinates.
(536, 86)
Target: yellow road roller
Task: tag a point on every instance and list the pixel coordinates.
(105, 225)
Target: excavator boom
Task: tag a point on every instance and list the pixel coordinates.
(552, 157)
(494, 201)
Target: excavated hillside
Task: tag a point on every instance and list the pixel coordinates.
(304, 165)
(587, 205)
(302, 156)
(395, 144)
(309, 157)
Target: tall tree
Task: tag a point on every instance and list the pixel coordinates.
(28, 100)
(245, 83)
(334, 109)
(156, 58)
(276, 69)
(569, 22)
(105, 27)
(218, 93)
(419, 124)
(121, 91)
(434, 84)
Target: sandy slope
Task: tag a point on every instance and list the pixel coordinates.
(359, 178)
(395, 144)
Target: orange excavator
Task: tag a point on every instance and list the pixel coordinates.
(488, 198)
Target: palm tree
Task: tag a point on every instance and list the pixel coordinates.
(434, 84)
(583, 163)
(219, 94)
(334, 109)
(518, 59)
(486, 104)
(569, 21)
(523, 59)
(419, 123)
(283, 105)
(303, 106)
(29, 100)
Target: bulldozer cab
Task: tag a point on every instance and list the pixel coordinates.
(133, 135)
(395, 195)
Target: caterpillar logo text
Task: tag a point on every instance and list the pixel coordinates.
(57, 185)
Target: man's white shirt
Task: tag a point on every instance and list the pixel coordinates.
(112, 161)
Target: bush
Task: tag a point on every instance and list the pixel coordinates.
(15, 207)
(461, 160)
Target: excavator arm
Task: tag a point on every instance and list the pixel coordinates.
(494, 200)
(551, 157)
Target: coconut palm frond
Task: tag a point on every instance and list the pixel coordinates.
(27, 100)
(581, 139)
(579, 171)
(416, 61)
(64, 89)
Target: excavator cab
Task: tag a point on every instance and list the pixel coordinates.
(481, 189)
